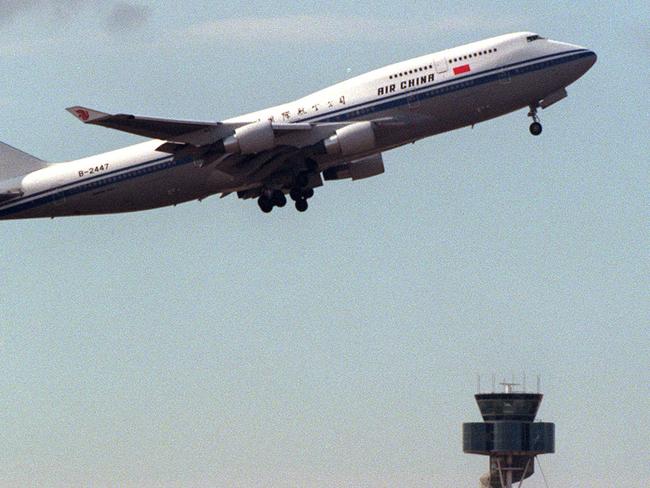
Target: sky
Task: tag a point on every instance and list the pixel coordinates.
(212, 345)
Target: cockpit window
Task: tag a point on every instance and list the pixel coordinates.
(534, 38)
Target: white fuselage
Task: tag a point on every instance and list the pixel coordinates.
(426, 95)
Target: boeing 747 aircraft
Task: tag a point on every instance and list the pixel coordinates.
(336, 133)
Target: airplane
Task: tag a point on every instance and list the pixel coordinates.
(336, 133)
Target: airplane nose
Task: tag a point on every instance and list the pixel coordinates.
(587, 57)
(588, 60)
(593, 57)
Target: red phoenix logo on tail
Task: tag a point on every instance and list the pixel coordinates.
(82, 114)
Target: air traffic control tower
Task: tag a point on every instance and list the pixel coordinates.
(509, 435)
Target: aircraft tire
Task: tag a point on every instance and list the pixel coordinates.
(295, 194)
(307, 193)
(302, 205)
(278, 199)
(535, 128)
(265, 204)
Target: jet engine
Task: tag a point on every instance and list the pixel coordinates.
(352, 139)
(251, 139)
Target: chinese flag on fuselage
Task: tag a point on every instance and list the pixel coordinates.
(459, 70)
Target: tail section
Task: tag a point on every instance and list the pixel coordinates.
(14, 163)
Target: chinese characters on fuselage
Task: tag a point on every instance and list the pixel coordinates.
(300, 111)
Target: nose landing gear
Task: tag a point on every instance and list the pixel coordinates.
(536, 126)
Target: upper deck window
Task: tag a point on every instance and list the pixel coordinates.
(534, 38)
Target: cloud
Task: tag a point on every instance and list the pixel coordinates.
(118, 16)
(315, 28)
(10, 9)
(126, 16)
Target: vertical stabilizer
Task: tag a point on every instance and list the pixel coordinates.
(14, 162)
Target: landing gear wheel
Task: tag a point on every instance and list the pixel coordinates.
(307, 193)
(301, 205)
(278, 199)
(535, 128)
(265, 204)
(296, 194)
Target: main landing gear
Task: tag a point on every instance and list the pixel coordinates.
(536, 126)
(299, 194)
(271, 198)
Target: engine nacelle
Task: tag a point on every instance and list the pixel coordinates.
(356, 170)
(251, 139)
(351, 139)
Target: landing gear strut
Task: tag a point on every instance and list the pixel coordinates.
(536, 126)
(302, 179)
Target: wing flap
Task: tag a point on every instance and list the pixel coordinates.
(356, 169)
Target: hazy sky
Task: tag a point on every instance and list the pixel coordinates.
(212, 345)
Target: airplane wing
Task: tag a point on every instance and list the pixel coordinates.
(182, 131)
(196, 133)
(200, 133)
